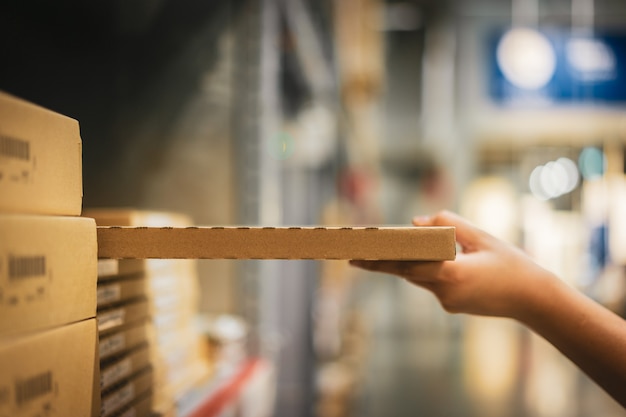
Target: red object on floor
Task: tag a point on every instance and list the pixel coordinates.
(228, 392)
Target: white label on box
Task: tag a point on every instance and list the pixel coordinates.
(117, 400)
(110, 319)
(109, 293)
(108, 267)
(112, 345)
(116, 372)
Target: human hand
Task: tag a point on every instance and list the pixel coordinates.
(489, 277)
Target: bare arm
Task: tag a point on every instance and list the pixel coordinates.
(493, 278)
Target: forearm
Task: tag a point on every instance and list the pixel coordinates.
(591, 336)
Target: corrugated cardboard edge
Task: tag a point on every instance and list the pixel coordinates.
(372, 243)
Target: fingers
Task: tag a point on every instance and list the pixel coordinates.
(414, 271)
(468, 236)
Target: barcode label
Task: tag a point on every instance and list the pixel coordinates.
(14, 148)
(21, 267)
(112, 344)
(31, 388)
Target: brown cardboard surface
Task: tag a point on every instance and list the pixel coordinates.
(49, 370)
(123, 367)
(47, 271)
(125, 339)
(96, 397)
(115, 292)
(40, 160)
(391, 243)
(126, 393)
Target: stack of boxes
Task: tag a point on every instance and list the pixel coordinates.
(146, 311)
(48, 267)
(125, 373)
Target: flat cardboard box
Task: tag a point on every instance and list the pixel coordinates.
(141, 407)
(48, 370)
(178, 363)
(47, 271)
(116, 292)
(166, 395)
(112, 319)
(123, 367)
(119, 268)
(373, 243)
(127, 338)
(40, 160)
(170, 339)
(127, 393)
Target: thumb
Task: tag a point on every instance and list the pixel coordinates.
(467, 235)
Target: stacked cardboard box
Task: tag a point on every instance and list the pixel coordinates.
(125, 372)
(48, 261)
(160, 336)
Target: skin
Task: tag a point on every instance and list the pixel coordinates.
(492, 278)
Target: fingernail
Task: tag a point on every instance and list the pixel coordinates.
(421, 219)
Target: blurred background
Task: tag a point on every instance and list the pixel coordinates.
(353, 112)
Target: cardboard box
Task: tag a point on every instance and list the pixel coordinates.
(133, 217)
(112, 319)
(40, 160)
(47, 271)
(126, 394)
(391, 243)
(168, 394)
(123, 340)
(179, 363)
(123, 367)
(162, 283)
(48, 371)
(120, 291)
(170, 339)
(141, 407)
(118, 268)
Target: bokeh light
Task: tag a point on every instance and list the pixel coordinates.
(526, 58)
(553, 179)
(591, 163)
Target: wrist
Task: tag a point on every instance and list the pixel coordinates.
(543, 294)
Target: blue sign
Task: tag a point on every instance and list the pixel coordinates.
(555, 66)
